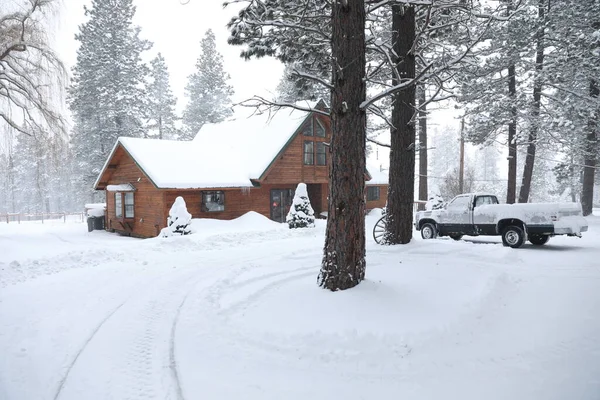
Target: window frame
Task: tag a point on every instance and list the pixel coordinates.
(306, 153)
(121, 211)
(308, 129)
(119, 207)
(324, 153)
(203, 204)
(322, 126)
(370, 196)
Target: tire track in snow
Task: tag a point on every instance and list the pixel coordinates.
(85, 344)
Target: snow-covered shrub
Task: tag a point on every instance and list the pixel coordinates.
(435, 202)
(301, 213)
(179, 220)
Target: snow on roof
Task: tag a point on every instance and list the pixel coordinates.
(226, 154)
(379, 174)
(123, 187)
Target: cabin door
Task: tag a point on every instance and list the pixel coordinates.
(281, 201)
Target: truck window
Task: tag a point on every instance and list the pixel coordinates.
(459, 203)
(483, 200)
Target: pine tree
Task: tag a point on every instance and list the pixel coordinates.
(208, 93)
(301, 213)
(106, 94)
(292, 88)
(161, 102)
(179, 220)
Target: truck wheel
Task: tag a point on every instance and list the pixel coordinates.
(456, 236)
(513, 236)
(428, 231)
(539, 240)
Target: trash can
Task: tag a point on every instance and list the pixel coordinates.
(99, 223)
(90, 223)
(95, 223)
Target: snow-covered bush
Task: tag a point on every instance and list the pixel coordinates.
(301, 213)
(179, 219)
(435, 202)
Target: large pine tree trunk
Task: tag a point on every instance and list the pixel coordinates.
(401, 192)
(590, 161)
(343, 263)
(423, 193)
(535, 109)
(511, 191)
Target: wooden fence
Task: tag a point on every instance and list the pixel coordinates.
(37, 217)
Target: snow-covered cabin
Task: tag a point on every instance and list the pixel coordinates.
(230, 168)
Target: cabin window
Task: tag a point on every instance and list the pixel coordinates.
(213, 201)
(307, 129)
(372, 193)
(321, 154)
(124, 204)
(319, 129)
(119, 205)
(128, 204)
(309, 157)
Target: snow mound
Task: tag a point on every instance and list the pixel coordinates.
(255, 220)
(248, 222)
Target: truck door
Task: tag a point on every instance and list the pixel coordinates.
(457, 216)
(483, 216)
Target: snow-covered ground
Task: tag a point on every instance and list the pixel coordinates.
(234, 312)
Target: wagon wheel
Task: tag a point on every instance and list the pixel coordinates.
(379, 230)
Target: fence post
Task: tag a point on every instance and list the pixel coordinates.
(19, 218)
(65, 218)
(42, 218)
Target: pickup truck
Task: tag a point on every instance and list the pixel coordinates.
(476, 214)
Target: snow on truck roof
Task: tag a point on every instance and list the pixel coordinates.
(225, 154)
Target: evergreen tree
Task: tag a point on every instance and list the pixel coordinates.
(208, 93)
(292, 88)
(179, 220)
(301, 213)
(106, 94)
(161, 102)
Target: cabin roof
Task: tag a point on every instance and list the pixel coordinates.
(227, 154)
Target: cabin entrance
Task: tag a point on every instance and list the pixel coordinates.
(281, 201)
(316, 193)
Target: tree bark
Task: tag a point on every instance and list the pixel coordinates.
(423, 192)
(343, 263)
(535, 109)
(401, 192)
(461, 166)
(590, 158)
(511, 190)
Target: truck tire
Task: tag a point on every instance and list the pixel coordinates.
(513, 236)
(539, 240)
(429, 231)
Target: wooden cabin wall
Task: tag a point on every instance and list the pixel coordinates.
(148, 201)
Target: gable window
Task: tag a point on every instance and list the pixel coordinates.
(307, 129)
(319, 129)
(321, 153)
(124, 204)
(372, 193)
(309, 157)
(213, 201)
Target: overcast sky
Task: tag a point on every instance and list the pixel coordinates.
(176, 30)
